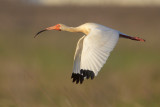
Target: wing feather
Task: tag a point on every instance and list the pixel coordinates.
(77, 56)
(92, 52)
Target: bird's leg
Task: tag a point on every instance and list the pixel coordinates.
(132, 38)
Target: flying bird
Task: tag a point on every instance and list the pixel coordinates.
(93, 49)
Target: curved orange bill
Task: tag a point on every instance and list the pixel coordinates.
(40, 32)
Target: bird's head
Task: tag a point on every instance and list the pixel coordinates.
(57, 27)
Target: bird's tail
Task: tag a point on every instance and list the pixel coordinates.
(132, 38)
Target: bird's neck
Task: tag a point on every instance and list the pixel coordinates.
(76, 29)
(72, 29)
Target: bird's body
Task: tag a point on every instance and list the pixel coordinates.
(93, 49)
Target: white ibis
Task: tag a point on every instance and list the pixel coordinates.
(93, 49)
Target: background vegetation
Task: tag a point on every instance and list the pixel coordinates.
(36, 72)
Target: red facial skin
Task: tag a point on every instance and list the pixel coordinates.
(56, 27)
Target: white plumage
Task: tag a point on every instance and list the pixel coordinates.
(93, 49)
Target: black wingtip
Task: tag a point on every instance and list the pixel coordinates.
(88, 73)
(79, 78)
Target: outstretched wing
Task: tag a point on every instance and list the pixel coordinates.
(77, 56)
(92, 52)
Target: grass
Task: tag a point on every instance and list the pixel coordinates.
(36, 72)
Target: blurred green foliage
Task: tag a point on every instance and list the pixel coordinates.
(36, 72)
